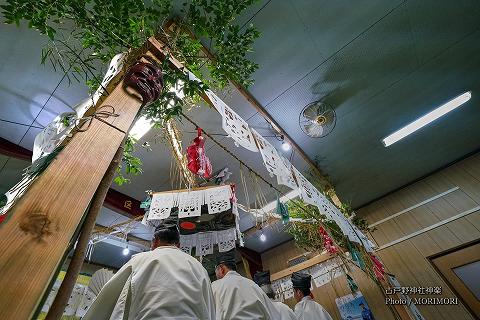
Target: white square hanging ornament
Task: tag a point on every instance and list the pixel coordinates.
(270, 156)
(187, 242)
(161, 206)
(226, 239)
(238, 129)
(218, 199)
(205, 241)
(190, 203)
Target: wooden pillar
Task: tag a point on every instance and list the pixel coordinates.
(35, 239)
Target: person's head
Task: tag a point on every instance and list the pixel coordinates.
(362, 305)
(225, 263)
(299, 293)
(301, 285)
(166, 237)
(262, 279)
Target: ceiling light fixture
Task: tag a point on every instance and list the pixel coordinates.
(286, 146)
(263, 237)
(426, 119)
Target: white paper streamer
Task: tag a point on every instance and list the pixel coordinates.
(238, 129)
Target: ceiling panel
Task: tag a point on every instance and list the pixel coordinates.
(12, 132)
(24, 85)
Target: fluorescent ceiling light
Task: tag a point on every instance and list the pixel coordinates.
(142, 126)
(426, 119)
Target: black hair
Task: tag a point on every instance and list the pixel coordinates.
(271, 294)
(168, 236)
(230, 265)
(304, 291)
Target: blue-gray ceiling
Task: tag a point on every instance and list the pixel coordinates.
(379, 64)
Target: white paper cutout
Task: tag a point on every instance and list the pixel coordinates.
(308, 192)
(226, 240)
(161, 206)
(284, 174)
(270, 155)
(190, 203)
(187, 242)
(205, 241)
(238, 129)
(289, 294)
(218, 199)
(86, 300)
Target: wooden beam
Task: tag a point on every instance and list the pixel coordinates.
(44, 220)
(301, 266)
(115, 200)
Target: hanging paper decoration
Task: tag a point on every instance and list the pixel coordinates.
(226, 240)
(223, 176)
(328, 242)
(351, 284)
(205, 243)
(161, 206)
(284, 174)
(190, 203)
(282, 211)
(198, 162)
(187, 242)
(308, 192)
(270, 156)
(378, 268)
(218, 199)
(238, 129)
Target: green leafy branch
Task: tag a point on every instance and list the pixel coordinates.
(85, 34)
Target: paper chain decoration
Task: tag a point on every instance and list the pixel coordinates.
(189, 203)
(204, 241)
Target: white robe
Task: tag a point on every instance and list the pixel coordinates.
(165, 283)
(285, 312)
(239, 298)
(308, 309)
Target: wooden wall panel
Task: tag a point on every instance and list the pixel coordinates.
(276, 260)
(408, 260)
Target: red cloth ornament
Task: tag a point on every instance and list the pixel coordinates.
(198, 162)
(327, 241)
(378, 268)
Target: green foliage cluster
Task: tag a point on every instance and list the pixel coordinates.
(130, 164)
(85, 34)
